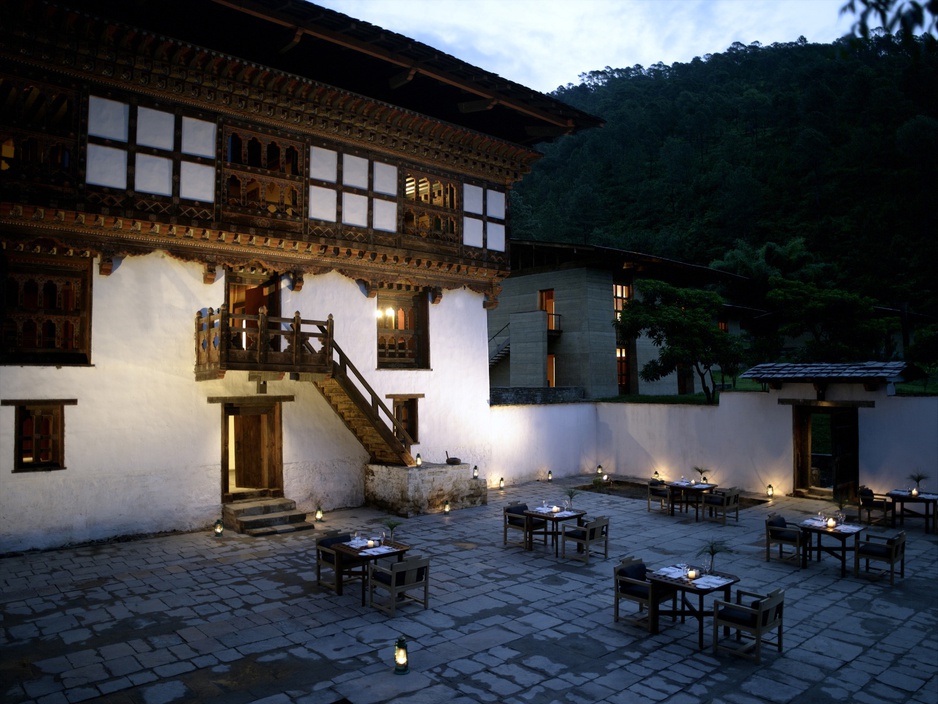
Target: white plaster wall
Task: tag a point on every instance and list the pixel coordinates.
(897, 438)
(133, 466)
(142, 446)
(529, 441)
(746, 441)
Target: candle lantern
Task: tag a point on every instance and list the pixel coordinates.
(501, 483)
(914, 491)
(550, 475)
(475, 472)
(446, 506)
(656, 475)
(219, 528)
(692, 573)
(400, 657)
(831, 522)
(319, 513)
(599, 469)
(419, 461)
(769, 491)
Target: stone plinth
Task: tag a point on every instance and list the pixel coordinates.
(409, 491)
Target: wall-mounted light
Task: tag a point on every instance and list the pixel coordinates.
(550, 476)
(769, 491)
(419, 461)
(501, 483)
(400, 657)
(475, 472)
(319, 513)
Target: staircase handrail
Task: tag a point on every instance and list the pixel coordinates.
(373, 406)
(499, 332)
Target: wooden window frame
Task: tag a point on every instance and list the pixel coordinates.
(72, 339)
(27, 457)
(410, 324)
(408, 403)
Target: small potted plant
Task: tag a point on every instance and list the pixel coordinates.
(390, 523)
(711, 549)
(571, 493)
(918, 477)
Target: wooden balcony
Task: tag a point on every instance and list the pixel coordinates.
(260, 343)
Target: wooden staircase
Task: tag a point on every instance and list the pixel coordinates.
(364, 413)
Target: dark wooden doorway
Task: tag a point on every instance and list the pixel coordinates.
(252, 450)
(826, 450)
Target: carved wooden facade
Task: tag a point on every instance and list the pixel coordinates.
(80, 94)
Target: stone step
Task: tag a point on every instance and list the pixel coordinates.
(281, 528)
(266, 520)
(255, 507)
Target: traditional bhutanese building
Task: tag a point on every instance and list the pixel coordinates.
(245, 247)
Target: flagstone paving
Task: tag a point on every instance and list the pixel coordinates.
(194, 618)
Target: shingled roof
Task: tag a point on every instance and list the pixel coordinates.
(310, 41)
(861, 372)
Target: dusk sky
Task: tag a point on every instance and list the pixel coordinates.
(543, 44)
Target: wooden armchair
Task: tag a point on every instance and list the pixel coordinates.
(585, 536)
(880, 548)
(721, 502)
(755, 615)
(514, 519)
(632, 585)
(399, 579)
(871, 502)
(658, 492)
(778, 532)
(351, 568)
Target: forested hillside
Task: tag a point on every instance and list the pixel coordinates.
(834, 144)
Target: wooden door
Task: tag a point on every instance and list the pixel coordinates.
(251, 439)
(845, 451)
(250, 471)
(801, 431)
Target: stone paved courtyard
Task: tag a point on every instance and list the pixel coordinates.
(193, 618)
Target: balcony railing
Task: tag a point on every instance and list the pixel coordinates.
(260, 343)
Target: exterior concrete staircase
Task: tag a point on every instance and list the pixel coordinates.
(264, 516)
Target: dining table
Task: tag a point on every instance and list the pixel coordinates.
(675, 577)
(554, 515)
(690, 489)
(901, 497)
(361, 551)
(840, 533)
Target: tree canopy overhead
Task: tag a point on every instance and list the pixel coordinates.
(830, 149)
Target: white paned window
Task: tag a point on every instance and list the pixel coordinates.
(472, 199)
(197, 182)
(322, 203)
(385, 215)
(472, 232)
(495, 202)
(106, 167)
(155, 129)
(495, 236)
(354, 171)
(108, 119)
(154, 174)
(385, 178)
(198, 137)
(354, 210)
(323, 165)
